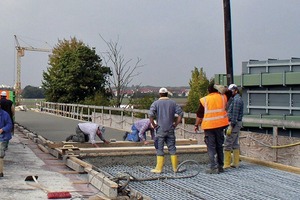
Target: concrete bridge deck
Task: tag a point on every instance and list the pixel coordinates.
(23, 158)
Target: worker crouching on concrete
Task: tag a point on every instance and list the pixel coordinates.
(86, 132)
(235, 115)
(139, 130)
(213, 118)
(164, 110)
(5, 135)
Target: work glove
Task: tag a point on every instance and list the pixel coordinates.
(229, 130)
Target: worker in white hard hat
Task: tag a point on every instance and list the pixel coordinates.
(164, 110)
(235, 116)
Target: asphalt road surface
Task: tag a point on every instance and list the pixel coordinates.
(56, 128)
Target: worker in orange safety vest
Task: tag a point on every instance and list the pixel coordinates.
(212, 117)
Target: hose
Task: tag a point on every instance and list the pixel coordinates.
(275, 147)
(179, 170)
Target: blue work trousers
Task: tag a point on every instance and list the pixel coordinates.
(163, 137)
(134, 135)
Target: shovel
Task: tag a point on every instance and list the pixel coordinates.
(38, 185)
(32, 178)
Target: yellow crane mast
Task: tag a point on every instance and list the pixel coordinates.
(21, 53)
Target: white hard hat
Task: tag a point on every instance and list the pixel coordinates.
(163, 90)
(3, 93)
(232, 87)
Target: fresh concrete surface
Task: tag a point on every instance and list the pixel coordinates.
(54, 127)
(23, 158)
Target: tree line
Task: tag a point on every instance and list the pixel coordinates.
(77, 74)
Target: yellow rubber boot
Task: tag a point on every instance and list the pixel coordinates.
(174, 161)
(159, 164)
(1, 167)
(236, 158)
(227, 159)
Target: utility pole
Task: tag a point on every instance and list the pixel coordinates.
(21, 53)
(228, 41)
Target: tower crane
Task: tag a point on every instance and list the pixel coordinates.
(21, 53)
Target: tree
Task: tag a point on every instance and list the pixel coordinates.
(198, 88)
(31, 92)
(76, 73)
(143, 102)
(122, 70)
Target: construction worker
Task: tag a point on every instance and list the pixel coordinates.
(138, 131)
(235, 115)
(5, 135)
(86, 132)
(164, 110)
(8, 106)
(212, 117)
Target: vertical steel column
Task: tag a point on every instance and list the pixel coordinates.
(228, 41)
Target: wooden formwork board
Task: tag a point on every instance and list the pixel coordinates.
(97, 179)
(144, 150)
(179, 142)
(274, 165)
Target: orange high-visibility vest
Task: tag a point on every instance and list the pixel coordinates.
(215, 115)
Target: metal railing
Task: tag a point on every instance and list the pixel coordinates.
(118, 118)
(87, 112)
(123, 118)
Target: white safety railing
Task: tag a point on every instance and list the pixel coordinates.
(123, 118)
(118, 118)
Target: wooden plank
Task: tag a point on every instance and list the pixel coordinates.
(41, 147)
(274, 165)
(130, 149)
(80, 182)
(42, 139)
(75, 166)
(68, 172)
(126, 151)
(138, 153)
(118, 143)
(102, 183)
(80, 162)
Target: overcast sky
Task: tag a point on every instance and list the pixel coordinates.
(170, 36)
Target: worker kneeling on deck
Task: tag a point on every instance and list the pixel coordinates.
(139, 130)
(86, 132)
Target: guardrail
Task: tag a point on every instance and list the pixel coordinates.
(118, 118)
(86, 112)
(123, 118)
